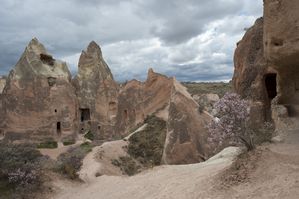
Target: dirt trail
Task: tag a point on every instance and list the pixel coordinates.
(179, 181)
(276, 176)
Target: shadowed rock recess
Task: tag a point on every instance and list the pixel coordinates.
(41, 102)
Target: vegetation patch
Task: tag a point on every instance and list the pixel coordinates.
(127, 165)
(219, 88)
(89, 135)
(48, 145)
(69, 163)
(147, 145)
(67, 143)
(240, 170)
(20, 170)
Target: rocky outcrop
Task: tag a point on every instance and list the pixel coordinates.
(97, 93)
(139, 99)
(266, 62)
(42, 102)
(250, 72)
(39, 100)
(206, 102)
(186, 139)
(168, 99)
(281, 41)
(2, 83)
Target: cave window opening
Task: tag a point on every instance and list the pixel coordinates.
(84, 114)
(271, 85)
(126, 114)
(58, 128)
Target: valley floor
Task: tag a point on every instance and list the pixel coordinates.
(276, 175)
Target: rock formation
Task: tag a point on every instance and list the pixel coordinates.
(97, 93)
(266, 59)
(2, 83)
(39, 100)
(168, 99)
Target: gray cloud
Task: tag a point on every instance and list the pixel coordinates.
(191, 39)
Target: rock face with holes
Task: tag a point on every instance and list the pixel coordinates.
(281, 41)
(250, 71)
(266, 62)
(39, 100)
(139, 99)
(168, 99)
(97, 93)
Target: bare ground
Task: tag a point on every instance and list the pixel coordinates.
(272, 171)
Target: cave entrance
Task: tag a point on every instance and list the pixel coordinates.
(58, 128)
(84, 114)
(271, 85)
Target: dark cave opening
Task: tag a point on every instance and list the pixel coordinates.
(271, 85)
(84, 114)
(58, 127)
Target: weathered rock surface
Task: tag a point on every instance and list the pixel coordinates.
(42, 102)
(186, 139)
(39, 100)
(2, 83)
(97, 93)
(266, 63)
(168, 99)
(206, 102)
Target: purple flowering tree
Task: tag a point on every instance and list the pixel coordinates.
(229, 126)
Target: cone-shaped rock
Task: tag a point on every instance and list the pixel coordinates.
(39, 100)
(97, 92)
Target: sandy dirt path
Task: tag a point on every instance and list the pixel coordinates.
(184, 182)
(276, 176)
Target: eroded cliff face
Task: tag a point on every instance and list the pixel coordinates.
(266, 62)
(97, 93)
(166, 98)
(39, 100)
(250, 72)
(186, 138)
(281, 41)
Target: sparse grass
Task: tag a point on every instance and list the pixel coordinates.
(67, 143)
(147, 146)
(47, 145)
(89, 135)
(219, 88)
(69, 163)
(20, 170)
(86, 146)
(127, 165)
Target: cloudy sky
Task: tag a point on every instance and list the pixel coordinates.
(193, 40)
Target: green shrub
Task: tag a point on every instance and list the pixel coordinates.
(89, 135)
(127, 165)
(67, 143)
(86, 146)
(20, 168)
(147, 145)
(69, 163)
(48, 145)
(219, 88)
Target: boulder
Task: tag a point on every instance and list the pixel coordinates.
(39, 100)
